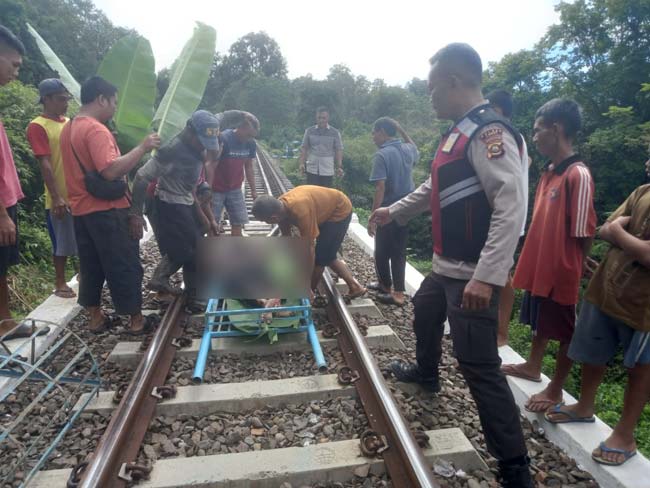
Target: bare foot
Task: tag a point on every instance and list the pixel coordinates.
(542, 401)
(523, 370)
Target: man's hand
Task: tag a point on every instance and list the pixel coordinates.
(152, 141)
(381, 216)
(647, 167)
(253, 193)
(339, 172)
(215, 228)
(136, 226)
(372, 229)
(7, 230)
(59, 207)
(301, 169)
(589, 266)
(476, 295)
(609, 231)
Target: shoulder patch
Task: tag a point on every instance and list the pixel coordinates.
(492, 137)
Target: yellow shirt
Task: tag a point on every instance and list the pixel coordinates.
(52, 149)
(309, 206)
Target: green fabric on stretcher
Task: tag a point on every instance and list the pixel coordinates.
(254, 325)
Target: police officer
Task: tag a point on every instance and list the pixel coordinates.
(476, 198)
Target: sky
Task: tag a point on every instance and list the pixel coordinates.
(377, 39)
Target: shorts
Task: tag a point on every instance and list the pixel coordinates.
(234, 203)
(330, 237)
(64, 242)
(9, 254)
(598, 337)
(547, 318)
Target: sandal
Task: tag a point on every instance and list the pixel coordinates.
(389, 299)
(359, 294)
(568, 416)
(24, 331)
(148, 324)
(109, 322)
(64, 292)
(603, 448)
(511, 370)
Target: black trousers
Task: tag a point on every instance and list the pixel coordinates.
(390, 255)
(320, 180)
(107, 253)
(474, 334)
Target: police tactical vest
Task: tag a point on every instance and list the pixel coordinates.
(460, 211)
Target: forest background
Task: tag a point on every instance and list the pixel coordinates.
(598, 54)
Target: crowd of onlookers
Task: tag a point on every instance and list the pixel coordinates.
(477, 194)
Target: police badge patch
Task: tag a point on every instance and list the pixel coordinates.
(493, 139)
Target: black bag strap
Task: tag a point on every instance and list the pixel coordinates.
(81, 166)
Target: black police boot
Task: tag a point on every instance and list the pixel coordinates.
(515, 473)
(410, 373)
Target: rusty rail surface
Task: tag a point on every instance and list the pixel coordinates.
(119, 446)
(403, 457)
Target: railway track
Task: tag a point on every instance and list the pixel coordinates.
(378, 436)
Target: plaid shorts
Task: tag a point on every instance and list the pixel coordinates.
(234, 203)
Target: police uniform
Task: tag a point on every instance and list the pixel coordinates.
(475, 194)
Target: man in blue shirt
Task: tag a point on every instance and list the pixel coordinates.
(392, 173)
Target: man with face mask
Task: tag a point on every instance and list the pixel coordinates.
(107, 252)
(476, 198)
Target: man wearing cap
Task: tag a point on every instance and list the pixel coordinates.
(177, 166)
(43, 134)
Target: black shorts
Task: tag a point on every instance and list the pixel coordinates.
(329, 240)
(178, 231)
(9, 254)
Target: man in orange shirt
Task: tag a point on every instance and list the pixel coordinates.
(557, 244)
(106, 250)
(321, 214)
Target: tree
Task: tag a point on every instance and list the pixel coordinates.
(75, 29)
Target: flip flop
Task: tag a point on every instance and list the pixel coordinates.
(603, 448)
(569, 416)
(108, 323)
(24, 331)
(149, 323)
(375, 286)
(547, 404)
(64, 293)
(352, 296)
(513, 372)
(389, 299)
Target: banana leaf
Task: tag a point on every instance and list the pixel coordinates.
(130, 66)
(57, 65)
(187, 84)
(251, 323)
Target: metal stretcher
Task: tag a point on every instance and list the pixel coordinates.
(222, 321)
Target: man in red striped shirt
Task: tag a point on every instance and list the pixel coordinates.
(559, 238)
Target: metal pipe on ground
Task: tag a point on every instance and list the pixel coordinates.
(121, 441)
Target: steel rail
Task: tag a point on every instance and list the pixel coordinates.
(404, 461)
(125, 432)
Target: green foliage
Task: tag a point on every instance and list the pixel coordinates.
(57, 65)
(130, 66)
(187, 83)
(75, 29)
(19, 106)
